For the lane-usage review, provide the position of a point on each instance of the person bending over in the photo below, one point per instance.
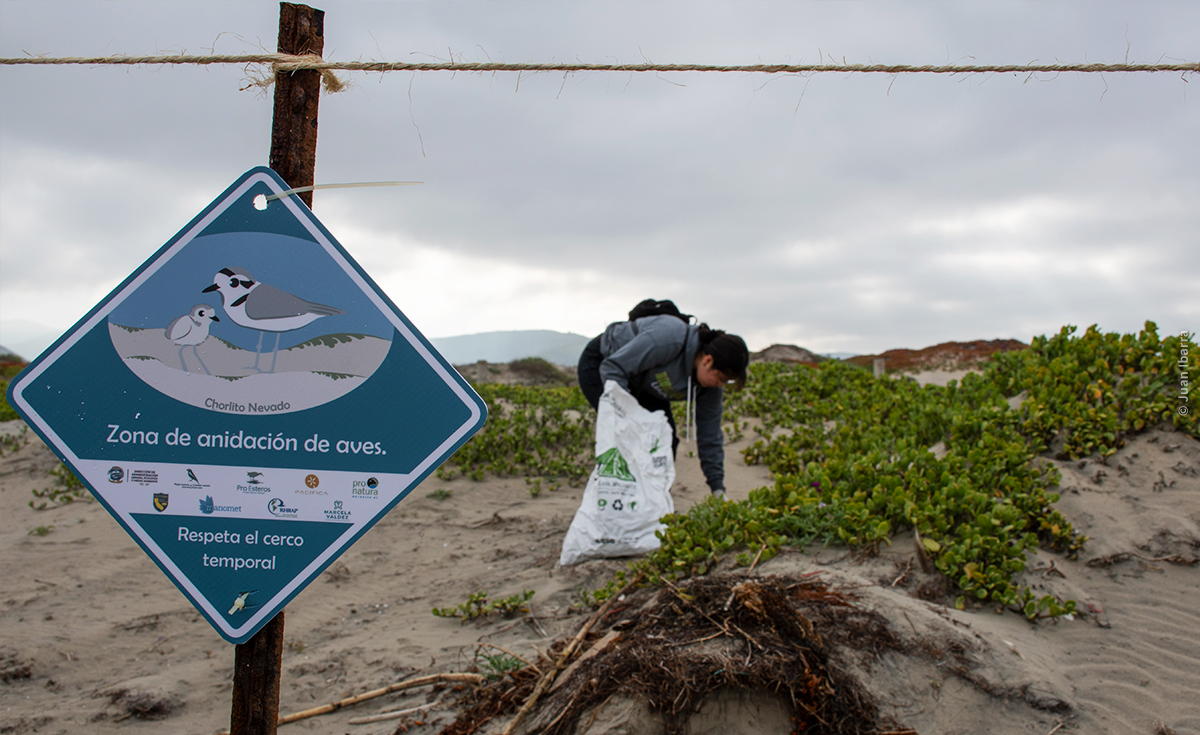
(663, 358)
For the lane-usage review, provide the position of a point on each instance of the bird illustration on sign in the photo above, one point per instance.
(221, 375)
(190, 330)
(264, 308)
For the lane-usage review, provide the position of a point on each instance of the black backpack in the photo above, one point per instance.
(650, 307)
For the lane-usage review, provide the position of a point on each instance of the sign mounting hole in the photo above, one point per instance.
(260, 202)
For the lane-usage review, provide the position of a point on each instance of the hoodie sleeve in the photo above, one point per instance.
(710, 441)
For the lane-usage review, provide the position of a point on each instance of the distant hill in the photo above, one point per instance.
(556, 347)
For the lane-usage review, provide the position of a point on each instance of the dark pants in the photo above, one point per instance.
(593, 387)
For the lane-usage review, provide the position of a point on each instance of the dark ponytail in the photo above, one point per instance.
(729, 353)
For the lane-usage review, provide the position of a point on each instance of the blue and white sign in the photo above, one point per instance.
(247, 404)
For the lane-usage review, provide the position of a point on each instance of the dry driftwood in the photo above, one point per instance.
(596, 648)
(399, 686)
(392, 715)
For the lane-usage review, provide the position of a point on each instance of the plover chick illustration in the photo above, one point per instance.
(264, 308)
(190, 330)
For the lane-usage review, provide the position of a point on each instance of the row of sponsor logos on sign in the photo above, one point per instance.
(255, 484)
(364, 489)
(275, 506)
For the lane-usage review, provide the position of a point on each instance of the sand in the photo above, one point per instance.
(97, 640)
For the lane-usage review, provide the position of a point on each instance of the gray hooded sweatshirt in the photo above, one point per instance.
(654, 355)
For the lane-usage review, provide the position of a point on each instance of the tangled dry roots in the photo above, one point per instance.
(679, 644)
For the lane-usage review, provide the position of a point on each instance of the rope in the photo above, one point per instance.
(290, 63)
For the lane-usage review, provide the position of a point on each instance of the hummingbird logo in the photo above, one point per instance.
(239, 603)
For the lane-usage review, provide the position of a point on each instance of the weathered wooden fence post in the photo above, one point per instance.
(294, 127)
(258, 663)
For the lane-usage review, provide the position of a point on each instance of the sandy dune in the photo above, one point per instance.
(97, 640)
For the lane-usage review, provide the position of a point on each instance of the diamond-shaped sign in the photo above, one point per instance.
(247, 404)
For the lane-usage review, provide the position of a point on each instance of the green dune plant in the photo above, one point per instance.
(479, 604)
(531, 432)
(853, 459)
(66, 489)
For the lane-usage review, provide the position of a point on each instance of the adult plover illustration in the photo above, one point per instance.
(265, 308)
(190, 330)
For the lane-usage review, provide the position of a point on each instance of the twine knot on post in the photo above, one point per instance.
(288, 63)
(329, 80)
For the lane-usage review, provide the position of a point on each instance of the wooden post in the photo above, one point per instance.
(257, 670)
(294, 128)
(880, 367)
(258, 663)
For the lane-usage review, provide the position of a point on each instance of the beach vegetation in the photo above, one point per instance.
(535, 485)
(7, 412)
(539, 371)
(10, 443)
(1086, 393)
(66, 489)
(496, 665)
(479, 604)
(531, 432)
(8, 371)
(855, 460)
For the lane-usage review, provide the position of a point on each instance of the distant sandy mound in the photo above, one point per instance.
(945, 356)
(529, 371)
(786, 353)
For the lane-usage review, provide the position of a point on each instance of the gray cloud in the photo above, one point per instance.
(845, 212)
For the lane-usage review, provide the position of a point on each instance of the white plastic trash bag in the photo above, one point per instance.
(630, 488)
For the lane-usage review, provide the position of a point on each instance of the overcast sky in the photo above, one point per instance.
(840, 212)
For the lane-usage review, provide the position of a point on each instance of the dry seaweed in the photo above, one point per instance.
(485, 703)
(766, 634)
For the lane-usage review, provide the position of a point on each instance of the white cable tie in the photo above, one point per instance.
(302, 189)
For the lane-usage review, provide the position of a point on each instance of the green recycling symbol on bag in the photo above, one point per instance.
(612, 464)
